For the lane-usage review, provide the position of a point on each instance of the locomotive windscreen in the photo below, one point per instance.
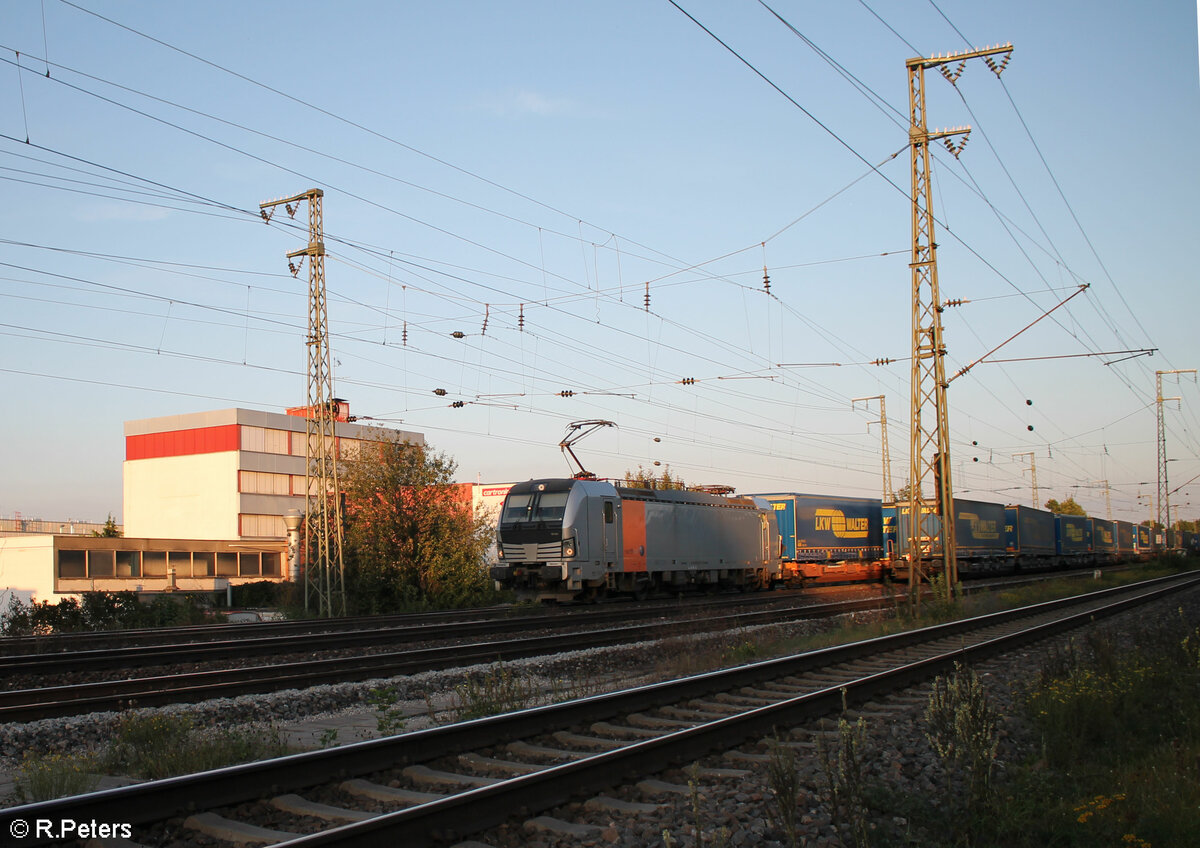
(534, 507)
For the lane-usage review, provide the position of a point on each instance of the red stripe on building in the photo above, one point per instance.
(183, 442)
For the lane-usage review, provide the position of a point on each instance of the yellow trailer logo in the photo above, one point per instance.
(981, 528)
(842, 527)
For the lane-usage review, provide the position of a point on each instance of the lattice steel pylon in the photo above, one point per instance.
(929, 440)
(324, 572)
(889, 494)
(1163, 504)
(1032, 473)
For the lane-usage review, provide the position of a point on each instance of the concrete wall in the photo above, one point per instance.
(26, 569)
(182, 497)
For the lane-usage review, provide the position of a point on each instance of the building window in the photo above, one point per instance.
(254, 439)
(262, 526)
(249, 565)
(264, 440)
(72, 564)
(300, 443)
(276, 441)
(179, 562)
(100, 564)
(204, 564)
(154, 563)
(227, 564)
(264, 483)
(270, 563)
(129, 564)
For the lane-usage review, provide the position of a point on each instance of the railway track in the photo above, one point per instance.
(18, 705)
(438, 785)
(71, 652)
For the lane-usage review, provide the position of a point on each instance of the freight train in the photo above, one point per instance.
(569, 539)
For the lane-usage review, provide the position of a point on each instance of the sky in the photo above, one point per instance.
(591, 194)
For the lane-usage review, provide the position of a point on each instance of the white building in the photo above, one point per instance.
(205, 495)
(48, 568)
(226, 474)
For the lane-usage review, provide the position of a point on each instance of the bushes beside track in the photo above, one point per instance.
(100, 611)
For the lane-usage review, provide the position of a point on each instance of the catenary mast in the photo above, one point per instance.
(929, 434)
(324, 573)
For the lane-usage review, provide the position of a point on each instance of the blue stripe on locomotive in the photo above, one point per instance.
(816, 528)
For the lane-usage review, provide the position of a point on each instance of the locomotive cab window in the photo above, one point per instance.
(551, 506)
(516, 508)
(608, 512)
(535, 507)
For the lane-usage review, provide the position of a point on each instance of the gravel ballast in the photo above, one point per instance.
(734, 810)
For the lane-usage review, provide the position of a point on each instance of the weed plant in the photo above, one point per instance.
(964, 731)
(157, 746)
(1119, 727)
(1117, 760)
(45, 777)
(844, 770)
(785, 791)
(498, 690)
(389, 716)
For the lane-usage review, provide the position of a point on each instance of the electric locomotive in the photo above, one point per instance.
(572, 539)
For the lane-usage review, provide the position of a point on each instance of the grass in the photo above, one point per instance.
(155, 746)
(771, 641)
(1116, 725)
(44, 777)
(1118, 755)
(503, 688)
(151, 746)
(1119, 727)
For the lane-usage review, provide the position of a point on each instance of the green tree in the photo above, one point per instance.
(110, 529)
(1067, 507)
(646, 479)
(411, 538)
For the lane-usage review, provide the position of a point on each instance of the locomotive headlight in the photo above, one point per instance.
(568, 548)
(500, 553)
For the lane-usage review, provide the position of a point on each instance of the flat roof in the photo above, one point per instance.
(258, 418)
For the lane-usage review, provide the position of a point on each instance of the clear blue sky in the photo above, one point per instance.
(481, 156)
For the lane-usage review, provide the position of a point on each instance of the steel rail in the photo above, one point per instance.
(56, 642)
(422, 627)
(159, 800)
(49, 702)
(441, 820)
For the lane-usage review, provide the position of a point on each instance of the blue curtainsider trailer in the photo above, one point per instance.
(1073, 538)
(828, 537)
(978, 530)
(1104, 539)
(1126, 539)
(1029, 536)
(1144, 545)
